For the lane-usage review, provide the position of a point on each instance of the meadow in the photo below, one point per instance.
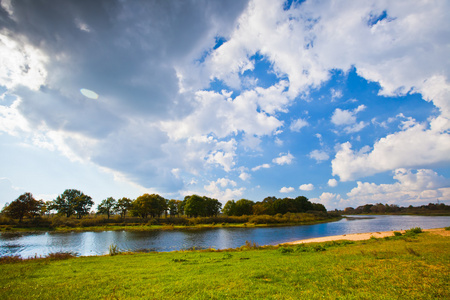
(410, 266)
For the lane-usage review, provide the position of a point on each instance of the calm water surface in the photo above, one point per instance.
(97, 243)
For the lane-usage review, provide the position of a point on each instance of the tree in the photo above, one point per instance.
(241, 207)
(107, 206)
(123, 205)
(23, 206)
(46, 208)
(174, 207)
(73, 202)
(194, 206)
(230, 208)
(211, 207)
(145, 205)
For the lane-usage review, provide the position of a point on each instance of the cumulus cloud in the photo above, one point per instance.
(332, 182)
(319, 155)
(284, 159)
(329, 200)
(287, 189)
(348, 117)
(412, 188)
(245, 176)
(413, 147)
(223, 189)
(306, 187)
(298, 124)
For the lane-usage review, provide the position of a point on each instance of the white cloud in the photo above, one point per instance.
(245, 176)
(330, 200)
(332, 182)
(285, 159)
(348, 117)
(319, 155)
(335, 94)
(225, 159)
(223, 189)
(21, 64)
(287, 189)
(306, 187)
(263, 166)
(224, 116)
(414, 147)
(412, 188)
(298, 124)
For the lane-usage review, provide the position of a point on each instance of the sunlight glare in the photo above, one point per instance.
(89, 94)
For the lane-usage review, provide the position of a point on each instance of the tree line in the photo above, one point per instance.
(271, 206)
(73, 202)
(379, 208)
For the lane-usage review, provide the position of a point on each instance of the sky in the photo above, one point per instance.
(344, 102)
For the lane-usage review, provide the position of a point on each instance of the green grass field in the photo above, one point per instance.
(416, 267)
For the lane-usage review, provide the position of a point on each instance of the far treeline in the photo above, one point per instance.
(379, 208)
(154, 209)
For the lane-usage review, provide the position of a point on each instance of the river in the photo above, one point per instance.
(97, 243)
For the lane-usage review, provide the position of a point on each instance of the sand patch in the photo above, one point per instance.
(364, 236)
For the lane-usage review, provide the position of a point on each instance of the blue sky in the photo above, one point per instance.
(344, 102)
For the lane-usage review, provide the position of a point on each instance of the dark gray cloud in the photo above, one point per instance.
(125, 51)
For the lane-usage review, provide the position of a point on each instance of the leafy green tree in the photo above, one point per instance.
(211, 207)
(230, 208)
(145, 205)
(318, 207)
(123, 205)
(194, 206)
(107, 206)
(238, 208)
(265, 207)
(73, 202)
(244, 207)
(23, 206)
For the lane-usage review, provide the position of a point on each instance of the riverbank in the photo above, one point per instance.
(364, 236)
(408, 267)
(308, 219)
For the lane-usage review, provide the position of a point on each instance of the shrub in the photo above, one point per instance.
(285, 250)
(413, 231)
(397, 233)
(60, 255)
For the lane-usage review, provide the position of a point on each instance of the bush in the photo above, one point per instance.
(397, 233)
(285, 250)
(413, 231)
(263, 219)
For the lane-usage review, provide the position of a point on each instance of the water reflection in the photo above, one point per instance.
(97, 243)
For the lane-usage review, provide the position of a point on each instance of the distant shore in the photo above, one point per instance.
(363, 236)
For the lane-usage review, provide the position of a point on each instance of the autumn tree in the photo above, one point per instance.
(23, 206)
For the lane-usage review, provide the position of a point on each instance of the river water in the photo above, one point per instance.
(97, 243)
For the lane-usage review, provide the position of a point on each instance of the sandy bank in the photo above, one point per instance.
(364, 236)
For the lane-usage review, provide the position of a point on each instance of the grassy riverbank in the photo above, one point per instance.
(405, 267)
